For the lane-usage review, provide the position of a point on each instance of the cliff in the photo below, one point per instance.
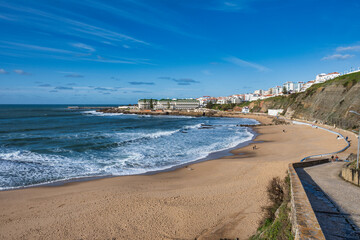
(327, 102)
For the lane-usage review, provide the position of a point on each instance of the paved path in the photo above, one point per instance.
(336, 203)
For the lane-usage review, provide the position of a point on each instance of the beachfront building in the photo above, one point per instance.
(185, 104)
(145, 103)
(168, 104)
(164, 104)
(275, 112)
(245, 110)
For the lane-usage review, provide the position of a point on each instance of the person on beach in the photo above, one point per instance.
(332, 158)
(254, 147)
(336, 158)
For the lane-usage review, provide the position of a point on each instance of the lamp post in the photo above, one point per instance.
(357, 159)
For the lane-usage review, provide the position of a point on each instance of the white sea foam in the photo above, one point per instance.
(93, 112)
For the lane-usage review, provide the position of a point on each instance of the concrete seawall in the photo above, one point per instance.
(350, 175)
(304, 222)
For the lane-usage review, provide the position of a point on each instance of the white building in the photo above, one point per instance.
(223, 100)
(323, 77)
(275, 112)
(245, 110)
(186, 104)
(277, 90)
(298, 86)
(168, 104)
(145, 103)
(247, 96)
(236, 99)
(307, 85)
(289, 86)
(258, 92)
(255, 97)
(164, 104)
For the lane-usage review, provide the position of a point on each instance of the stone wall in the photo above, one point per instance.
(304, 222)
(350, 175)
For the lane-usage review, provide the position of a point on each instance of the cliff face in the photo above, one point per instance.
(327, 102)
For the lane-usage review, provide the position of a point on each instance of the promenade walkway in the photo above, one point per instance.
(336, 203)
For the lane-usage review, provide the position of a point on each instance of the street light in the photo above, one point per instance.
(357, 159)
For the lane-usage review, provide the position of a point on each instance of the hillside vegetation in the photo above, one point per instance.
(327, 102)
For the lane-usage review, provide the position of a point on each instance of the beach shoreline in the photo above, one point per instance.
(207, 200)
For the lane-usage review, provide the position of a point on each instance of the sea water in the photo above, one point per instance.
(49, 143)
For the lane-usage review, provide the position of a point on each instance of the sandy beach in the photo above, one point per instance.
(207, 200)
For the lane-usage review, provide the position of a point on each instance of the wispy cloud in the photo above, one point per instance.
(83, 47)
(69, 26)
(142, 12)
(21, 72)
(36, 47)
(2, 71)
(349, 48)
(142, 83)
(243, 63)
(63, 88)
(338, 57)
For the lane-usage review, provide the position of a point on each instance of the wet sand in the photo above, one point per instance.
(207, 200)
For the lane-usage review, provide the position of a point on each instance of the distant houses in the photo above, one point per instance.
(288, 87)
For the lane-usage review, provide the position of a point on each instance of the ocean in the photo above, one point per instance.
(50, 143)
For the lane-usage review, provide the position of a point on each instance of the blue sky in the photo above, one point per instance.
(98, 52)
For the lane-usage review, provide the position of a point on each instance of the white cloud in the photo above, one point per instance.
(2, 71)
(338, 57)
(350, 48)
(243, 63)
(38, 48)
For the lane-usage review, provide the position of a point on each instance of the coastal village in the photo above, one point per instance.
(260, 94)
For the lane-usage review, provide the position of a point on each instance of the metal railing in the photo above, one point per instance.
(331, 131)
